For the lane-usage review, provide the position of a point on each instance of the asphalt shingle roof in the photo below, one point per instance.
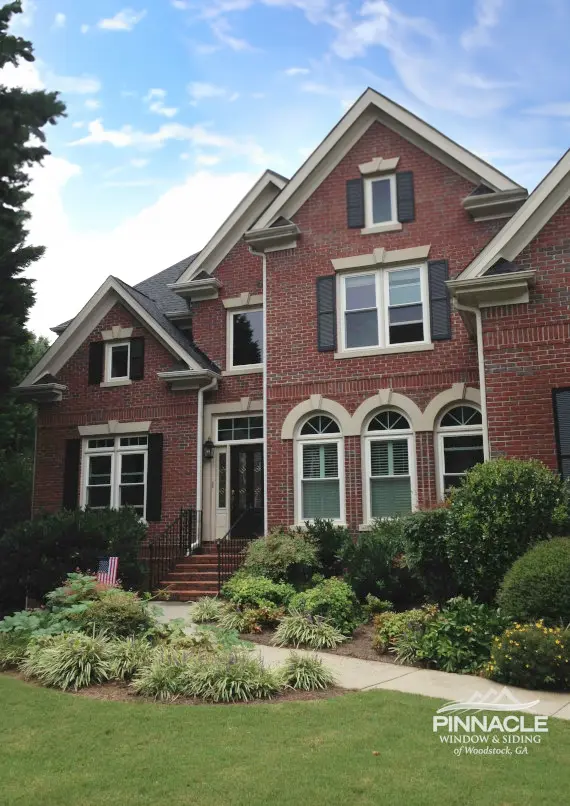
(155, 286)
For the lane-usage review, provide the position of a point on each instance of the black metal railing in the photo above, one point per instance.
(231, 550)
(180, 539)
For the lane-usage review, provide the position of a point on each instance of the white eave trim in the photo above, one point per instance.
(272, 239)
(497, 289)
(204, 288)
(40, 392)
(187, 379)
(500, 204)
(527, 222)
(86, 320)
(369, 107)
(242, 217)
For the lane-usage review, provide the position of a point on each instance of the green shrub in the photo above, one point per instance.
(232, 677)
(532, 656)
(389, 626)
(35, 555)
(537, 586)
(206, 609)
(77, 588)
(373, 605)
(330, 541)
(305, 673)
(424, 541)
(33, 623)
(502, 508)
(375, 564)
(117, 612)
(71, 660)
(334, 600)
(13, 649)
(301, 629)
(247, 590)
(458, 639)
(128, 656)
(282, 555)
(165, 677)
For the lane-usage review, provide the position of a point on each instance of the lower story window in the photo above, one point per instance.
(116, 473)
(460, 444)
(320, 481)
(389, 478)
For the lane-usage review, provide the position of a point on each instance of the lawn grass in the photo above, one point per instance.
(63, 750)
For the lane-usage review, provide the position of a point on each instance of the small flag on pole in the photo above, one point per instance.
(107, 571)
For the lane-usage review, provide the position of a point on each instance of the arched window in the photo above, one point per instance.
(389, 457)
(320, 470)
(460, 444)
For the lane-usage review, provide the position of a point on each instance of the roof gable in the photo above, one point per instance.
(147, 312)
(371, 107)
(545, 200)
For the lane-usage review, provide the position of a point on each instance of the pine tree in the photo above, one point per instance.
(23, 116)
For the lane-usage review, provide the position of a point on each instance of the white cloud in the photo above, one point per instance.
(181, 5)
(59, 20)
(222, 31)
(34, 76)
(26, 75)
(135, 248)
(207, 160)
(74, 85)
(197, 135)
(486, 18)
(558, 109)
(92, 103)
(200, 90)
(78, 124)
(84, 28)
(139, 162)
(297, 71)
(124, 20)
(26, 18)
(155, 100)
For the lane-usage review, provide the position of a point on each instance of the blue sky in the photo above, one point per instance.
(175, 107)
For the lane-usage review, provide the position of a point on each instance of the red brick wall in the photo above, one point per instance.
(527, 350)
(173, 414)
(296, 369)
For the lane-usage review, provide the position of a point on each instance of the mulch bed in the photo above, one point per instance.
(359, 646)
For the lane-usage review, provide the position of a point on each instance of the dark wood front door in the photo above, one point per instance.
(246, 490)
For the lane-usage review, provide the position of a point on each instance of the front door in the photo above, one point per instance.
(246, 490)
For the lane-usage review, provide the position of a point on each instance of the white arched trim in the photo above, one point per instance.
(316, 404)
(458, 393)
(387, 399)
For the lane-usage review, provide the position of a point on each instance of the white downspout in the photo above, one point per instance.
(263, 257)
(199, 440)
(481, 362)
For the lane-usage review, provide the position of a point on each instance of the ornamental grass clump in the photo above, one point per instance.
(13, 649)
(165, 677)
(306, 673)
(531, 656)
(128, 656)
(231, 677)
(71, 660)
(207, 609)
(303, 629)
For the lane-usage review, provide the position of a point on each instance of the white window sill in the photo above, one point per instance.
(116, 382)
(364, 527)
(388, 226)
(243, 370)
(395, 349)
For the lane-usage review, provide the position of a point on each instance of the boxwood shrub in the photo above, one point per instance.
(334, 600)
(248, 590)
(282, 556)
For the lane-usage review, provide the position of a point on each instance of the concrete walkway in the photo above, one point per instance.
(364, 675)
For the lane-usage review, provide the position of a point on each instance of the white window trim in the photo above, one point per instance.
(369, 222)
(258, 440)
(239, 369)
(116, 452)
(116, 379)
(386, 436)
(382, 299)
(454, 431)
(319, 439)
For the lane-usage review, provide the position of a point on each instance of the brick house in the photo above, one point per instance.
(347, 344)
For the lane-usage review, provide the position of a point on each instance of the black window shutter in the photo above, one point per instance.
(154, 478)
(326, 314)
(71, 474)
(439, 303)
(355, 203)
(96, 353)
(137, 359)
(405, 196)
(561, 404)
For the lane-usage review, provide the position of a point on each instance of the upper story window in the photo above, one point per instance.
(245, 333)
(115, 473)
(380, 201)
(460, 444)
(117, 361)
(385, 307)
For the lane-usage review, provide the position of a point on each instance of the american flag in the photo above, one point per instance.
(107, 571)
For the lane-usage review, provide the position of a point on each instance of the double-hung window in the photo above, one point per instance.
(384, 308)
(380, 201)
(115, 473)
(460, 444)
(389, 457)
(320, 470)
(245, 339)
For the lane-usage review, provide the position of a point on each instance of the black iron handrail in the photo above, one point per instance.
(231, 550)
(180, 539)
